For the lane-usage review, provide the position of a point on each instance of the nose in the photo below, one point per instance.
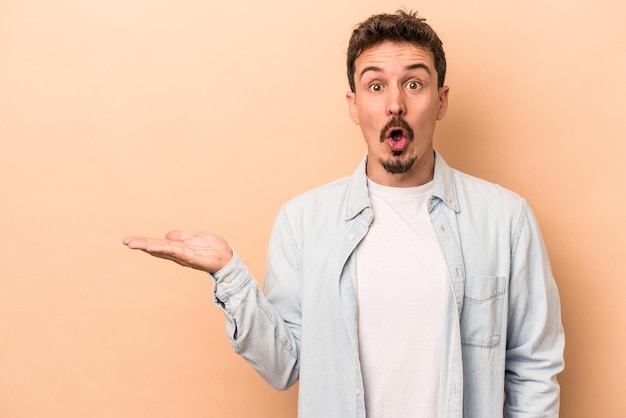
(396, 105)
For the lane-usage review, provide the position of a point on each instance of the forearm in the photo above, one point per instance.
(256, 331)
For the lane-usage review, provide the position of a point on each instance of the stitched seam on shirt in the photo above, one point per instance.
(523, 216)
(291, 236)
(493, 342)
(233, 291)
(499, 291)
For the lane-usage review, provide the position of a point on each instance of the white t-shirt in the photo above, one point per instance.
(401, 286)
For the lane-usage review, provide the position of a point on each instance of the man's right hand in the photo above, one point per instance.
(200, 251)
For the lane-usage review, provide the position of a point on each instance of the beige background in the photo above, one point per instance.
(138, 116)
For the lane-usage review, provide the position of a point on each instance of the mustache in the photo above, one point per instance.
(396, 122)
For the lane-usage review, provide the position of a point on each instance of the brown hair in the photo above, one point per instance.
(399, 27)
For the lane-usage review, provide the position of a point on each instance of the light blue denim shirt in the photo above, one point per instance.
(503, 328)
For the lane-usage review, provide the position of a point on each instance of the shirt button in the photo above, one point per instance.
(228, 279)
(357, 391)
(367, 211)
(351, 237)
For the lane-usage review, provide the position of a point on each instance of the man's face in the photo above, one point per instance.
(397, 103)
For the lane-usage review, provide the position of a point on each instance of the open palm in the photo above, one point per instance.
(202, 251)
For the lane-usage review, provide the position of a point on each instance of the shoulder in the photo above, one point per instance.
(468, 183)
(477, 195)
(463, 191)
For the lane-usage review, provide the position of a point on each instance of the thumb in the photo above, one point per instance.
(179, 235)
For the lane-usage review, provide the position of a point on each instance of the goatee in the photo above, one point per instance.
(398, 165)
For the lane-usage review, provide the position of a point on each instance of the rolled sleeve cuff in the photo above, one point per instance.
(230, 279)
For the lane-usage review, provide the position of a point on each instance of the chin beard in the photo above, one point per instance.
(396, 165)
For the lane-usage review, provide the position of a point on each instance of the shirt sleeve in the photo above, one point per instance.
(535, 339)
(256, 330)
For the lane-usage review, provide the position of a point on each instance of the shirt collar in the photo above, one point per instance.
(357, 199)
(443, 188)
(443, 185)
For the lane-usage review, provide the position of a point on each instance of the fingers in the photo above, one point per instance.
(174, 258)
(136, 243)
(147, 244)
(158, 246)
(173, 253)
(140, 243)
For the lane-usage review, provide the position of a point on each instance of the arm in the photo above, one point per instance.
(535, 338)
(255, 329)
(267, 334)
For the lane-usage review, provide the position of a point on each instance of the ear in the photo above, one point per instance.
(443, 102)
(351, 99)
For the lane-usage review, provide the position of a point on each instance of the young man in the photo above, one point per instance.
(406, 289)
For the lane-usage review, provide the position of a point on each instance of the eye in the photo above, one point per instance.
(376, 87)
(413, 85)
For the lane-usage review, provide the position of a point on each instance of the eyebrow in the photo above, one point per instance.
(415, 66)
(418, 66)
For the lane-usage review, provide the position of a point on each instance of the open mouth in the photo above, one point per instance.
(397, 139)
(396, 134)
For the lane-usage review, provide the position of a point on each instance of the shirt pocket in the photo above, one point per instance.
(481, 318)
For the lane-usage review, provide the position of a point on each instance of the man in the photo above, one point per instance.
(408, 289)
